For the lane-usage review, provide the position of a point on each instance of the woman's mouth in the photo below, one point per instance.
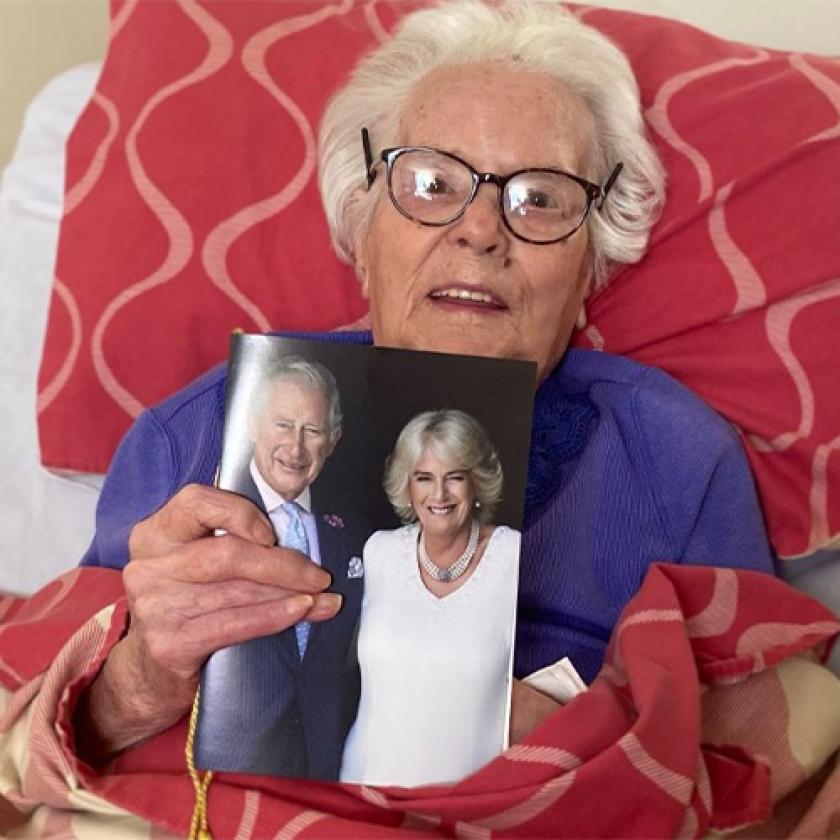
(441, 510)
(464, 296)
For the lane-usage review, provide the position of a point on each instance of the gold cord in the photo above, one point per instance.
(198, 823)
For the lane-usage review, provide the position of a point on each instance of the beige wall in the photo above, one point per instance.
(38, 39)
(800, 25)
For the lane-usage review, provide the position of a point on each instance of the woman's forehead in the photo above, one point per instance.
(498, 117)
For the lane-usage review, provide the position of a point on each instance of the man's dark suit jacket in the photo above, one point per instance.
(263, 709)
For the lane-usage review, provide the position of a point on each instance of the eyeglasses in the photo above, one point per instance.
(435, 188)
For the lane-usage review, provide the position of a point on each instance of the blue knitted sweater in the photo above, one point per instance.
(627, 467)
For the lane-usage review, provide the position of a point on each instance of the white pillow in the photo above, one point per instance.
(46, 520)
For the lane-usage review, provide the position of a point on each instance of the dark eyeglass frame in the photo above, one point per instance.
(595, 194)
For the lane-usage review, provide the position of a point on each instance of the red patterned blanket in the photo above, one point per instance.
(712, 712)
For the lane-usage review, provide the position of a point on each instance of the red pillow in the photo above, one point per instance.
(192, 209)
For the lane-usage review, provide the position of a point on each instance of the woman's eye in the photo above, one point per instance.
(539, 200)
(427, 183)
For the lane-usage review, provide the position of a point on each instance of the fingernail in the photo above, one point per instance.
(318, 577)
(298, 604)
(327, 603)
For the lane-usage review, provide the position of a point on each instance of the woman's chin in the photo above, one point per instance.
(467, 341)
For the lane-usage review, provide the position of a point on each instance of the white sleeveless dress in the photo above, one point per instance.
(435, 671)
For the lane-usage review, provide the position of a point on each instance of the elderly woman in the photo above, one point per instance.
(507, 174)
(434, 666)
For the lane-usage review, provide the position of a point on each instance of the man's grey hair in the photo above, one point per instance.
(536, 35)
(298, 369)
(456, 438)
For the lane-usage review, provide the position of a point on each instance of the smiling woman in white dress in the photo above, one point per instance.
(436, 632)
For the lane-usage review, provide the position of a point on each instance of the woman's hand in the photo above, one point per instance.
(528, 709)
(191, 593)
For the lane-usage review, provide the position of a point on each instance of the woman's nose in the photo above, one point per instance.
(481, 227)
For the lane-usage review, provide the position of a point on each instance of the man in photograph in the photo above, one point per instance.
(283, 704)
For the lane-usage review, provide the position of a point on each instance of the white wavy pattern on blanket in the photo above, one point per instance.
(780, 316)
(675, 785)
(374, 23)
(827, 86)
(522, 812)
(818, 499)
(250, 810)
(749, 286)
(88, 180)
(777, 325)
(74, 197)
(120, 19)
(53, 595)
(719, 614)
(762, 637)
(298, 824)
(750, 292)
(657, 114)
(54, 387)
(220, 240)
(171, 220)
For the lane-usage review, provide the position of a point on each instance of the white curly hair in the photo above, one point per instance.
(538, 35)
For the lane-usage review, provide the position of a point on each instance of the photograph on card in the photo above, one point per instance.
(401, 474)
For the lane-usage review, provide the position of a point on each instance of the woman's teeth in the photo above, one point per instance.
(463, 294)
(441, 510)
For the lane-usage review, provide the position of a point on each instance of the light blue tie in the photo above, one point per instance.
(295, 537)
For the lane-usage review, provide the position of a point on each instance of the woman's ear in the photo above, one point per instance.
(361, 270)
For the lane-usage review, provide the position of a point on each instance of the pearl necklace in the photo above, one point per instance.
(453, 572)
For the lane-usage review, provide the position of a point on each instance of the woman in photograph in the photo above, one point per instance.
(438, 612)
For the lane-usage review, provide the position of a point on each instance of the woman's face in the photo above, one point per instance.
(499, 119)
(442, 496)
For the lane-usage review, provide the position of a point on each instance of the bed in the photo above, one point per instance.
(68, 406)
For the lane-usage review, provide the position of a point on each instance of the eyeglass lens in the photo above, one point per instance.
(434, 188)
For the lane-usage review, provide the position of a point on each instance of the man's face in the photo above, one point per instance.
(291, 436)
(471, 287)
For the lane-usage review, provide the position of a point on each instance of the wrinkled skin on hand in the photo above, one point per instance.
(191, 593)
(528, 709)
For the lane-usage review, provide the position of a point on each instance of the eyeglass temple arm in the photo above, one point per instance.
(370, 173)
(609, 185)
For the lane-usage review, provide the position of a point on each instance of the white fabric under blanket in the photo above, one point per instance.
(46, 520)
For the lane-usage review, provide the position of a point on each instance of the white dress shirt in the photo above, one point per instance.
(273, 503)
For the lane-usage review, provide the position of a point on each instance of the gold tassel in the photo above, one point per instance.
(198, 823)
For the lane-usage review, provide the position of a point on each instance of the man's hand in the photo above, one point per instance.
(191, 593)
(528, 709)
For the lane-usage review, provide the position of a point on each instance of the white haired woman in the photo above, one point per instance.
(507, 175)
(436, 631)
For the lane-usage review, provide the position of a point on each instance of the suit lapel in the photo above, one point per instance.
(286, 640)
